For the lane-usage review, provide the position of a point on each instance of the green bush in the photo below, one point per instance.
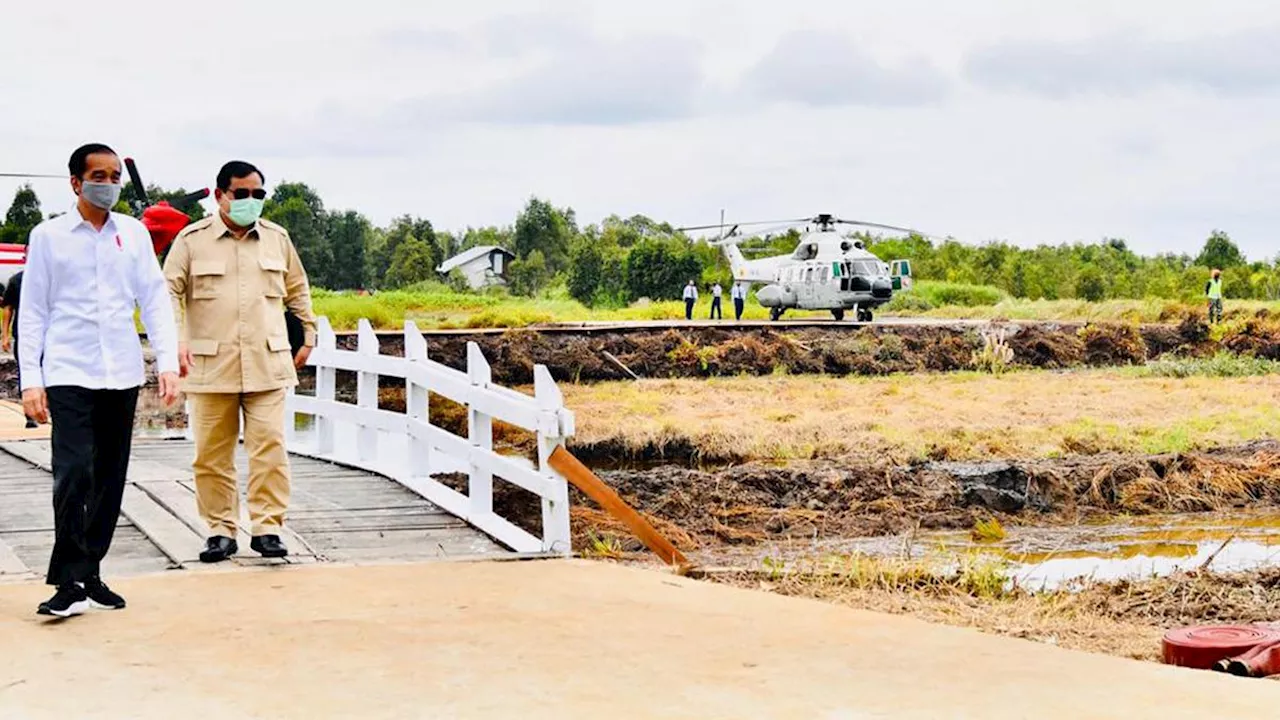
(939, 294)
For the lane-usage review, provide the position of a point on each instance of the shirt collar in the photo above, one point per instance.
(78, 220)
(220, 226)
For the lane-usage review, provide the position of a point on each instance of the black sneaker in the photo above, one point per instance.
(101, 596)
(69, 600)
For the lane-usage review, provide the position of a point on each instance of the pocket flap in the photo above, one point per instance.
(275, 343)
(209, 267)
(273, 264)
(206, 348)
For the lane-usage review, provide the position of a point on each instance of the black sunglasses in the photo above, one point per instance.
(244, 193)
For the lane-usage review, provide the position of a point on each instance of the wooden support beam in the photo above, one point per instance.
(595, 488)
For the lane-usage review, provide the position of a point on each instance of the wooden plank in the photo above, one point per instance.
(178, 541)
(10, 563)
(180, 501)
(33, 451)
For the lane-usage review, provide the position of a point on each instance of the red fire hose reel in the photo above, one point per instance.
(1246, 650)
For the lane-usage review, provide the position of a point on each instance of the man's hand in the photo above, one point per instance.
(35, 405)
(168, 388)
(6, 344)
(300, 359)
(185, 360)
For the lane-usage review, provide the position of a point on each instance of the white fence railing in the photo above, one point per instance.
(407, 448)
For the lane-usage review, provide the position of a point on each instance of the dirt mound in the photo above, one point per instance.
(1046, 347)
(1107, 344)
(838, 350)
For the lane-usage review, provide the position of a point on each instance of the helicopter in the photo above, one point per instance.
(826, 271)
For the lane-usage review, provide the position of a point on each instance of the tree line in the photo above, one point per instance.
(620, 260)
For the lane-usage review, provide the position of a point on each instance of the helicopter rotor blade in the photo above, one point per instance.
(882, 226)
(718, 226)
(190, 199)
(31, 175)
(139, 189)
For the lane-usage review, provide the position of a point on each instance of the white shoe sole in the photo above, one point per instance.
(99, 606)
(76, 608)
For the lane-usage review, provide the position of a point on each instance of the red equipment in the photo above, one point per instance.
(1203, 647)
(164, 222)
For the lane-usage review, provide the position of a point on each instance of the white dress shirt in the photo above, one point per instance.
(715, 290)
(79, 291)
(690, 292)
(738, 292)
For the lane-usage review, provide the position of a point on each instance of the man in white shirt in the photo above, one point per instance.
(81, 365)
(690, 297)
(739, 295)
(715, 302)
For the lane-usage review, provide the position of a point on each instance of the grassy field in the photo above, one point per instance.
(442, 309)
(954, 416)
(435, 306)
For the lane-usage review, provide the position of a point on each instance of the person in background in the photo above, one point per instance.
(9, 324)
(715, 302)
(87, 271)
(739, 294)
(690, 297)
(1213, 290)
(235, 279)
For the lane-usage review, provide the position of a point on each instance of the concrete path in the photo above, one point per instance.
(548, 639)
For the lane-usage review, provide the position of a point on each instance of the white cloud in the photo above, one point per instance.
(977, 119)
(1241, 63)
(826, 69)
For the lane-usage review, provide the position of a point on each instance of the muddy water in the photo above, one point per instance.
(1038, 558)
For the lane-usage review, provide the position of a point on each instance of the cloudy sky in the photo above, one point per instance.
(1152, 120)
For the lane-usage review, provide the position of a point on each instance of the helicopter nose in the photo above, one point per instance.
(881, 288)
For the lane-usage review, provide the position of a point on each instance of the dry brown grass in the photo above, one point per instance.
(902, 418)
(1124, 617)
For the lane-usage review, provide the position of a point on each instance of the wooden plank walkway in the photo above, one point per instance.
(337, 514)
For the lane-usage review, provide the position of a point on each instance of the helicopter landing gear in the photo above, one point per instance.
(775, 313)
(864, 315)
(838, 314)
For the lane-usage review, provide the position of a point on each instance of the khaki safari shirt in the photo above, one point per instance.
(229, 298)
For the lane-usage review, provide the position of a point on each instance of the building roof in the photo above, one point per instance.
(467, 256)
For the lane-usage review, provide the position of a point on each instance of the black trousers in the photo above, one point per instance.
(92, 435)
(737, 308)
(715, 308)
(688, 309)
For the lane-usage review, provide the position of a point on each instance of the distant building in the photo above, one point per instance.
(483, 266)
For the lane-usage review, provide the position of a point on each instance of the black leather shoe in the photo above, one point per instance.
(269, 546)
(218, 548)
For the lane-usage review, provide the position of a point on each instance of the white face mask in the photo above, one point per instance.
(101, 195)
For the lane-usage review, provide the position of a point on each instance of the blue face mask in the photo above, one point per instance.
(246, 212)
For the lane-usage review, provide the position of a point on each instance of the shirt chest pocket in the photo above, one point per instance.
(207, 279)
(273, 270)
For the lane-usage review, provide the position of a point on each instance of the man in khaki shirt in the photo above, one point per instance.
(231, 277)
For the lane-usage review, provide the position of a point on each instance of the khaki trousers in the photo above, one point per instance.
(215, 419)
